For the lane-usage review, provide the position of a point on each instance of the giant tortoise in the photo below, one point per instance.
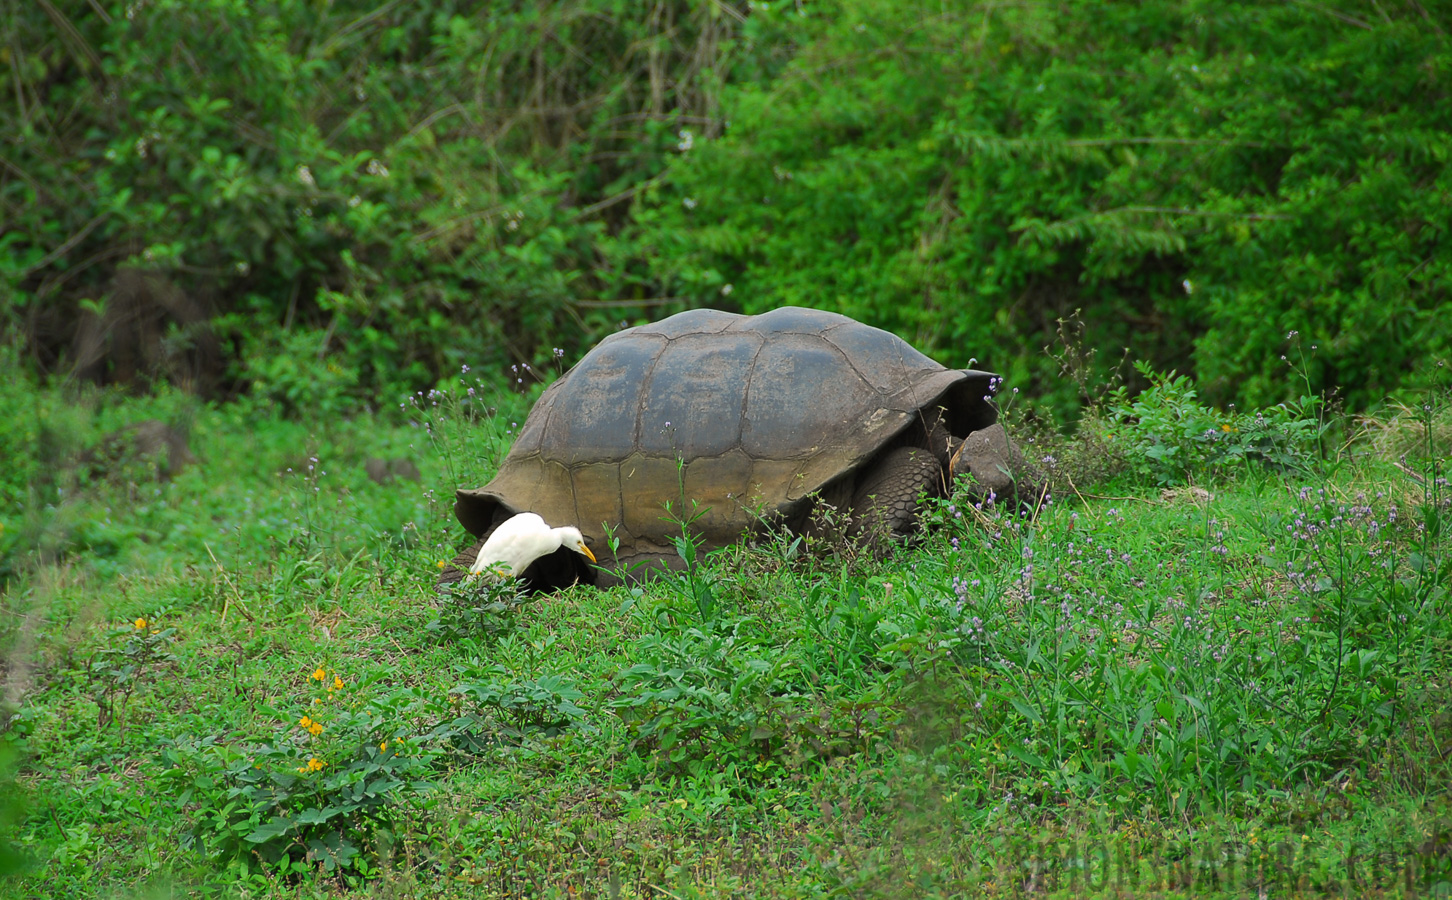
(737, 420)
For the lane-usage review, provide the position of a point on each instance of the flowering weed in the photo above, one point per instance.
(130, 655)
(322, 793)
(1172, 438)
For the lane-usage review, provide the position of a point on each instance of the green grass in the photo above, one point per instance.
(1133, 690)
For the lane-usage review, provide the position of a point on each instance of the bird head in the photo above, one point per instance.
(573, 539)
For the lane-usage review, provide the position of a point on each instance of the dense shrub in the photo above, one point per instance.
(1199, 178)
(353, 196)
(350, 196)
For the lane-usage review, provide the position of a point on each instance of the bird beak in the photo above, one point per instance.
(586, 550)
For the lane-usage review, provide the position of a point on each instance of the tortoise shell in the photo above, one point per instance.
(718, 415)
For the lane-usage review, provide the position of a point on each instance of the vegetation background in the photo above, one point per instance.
(337, 245)
(345, 199)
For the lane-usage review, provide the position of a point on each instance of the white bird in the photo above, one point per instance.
(522, 539)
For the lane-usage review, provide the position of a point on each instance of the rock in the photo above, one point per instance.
(377, 470)
(1196, 495)
(403, 468)
(383, 471)
(152, 439)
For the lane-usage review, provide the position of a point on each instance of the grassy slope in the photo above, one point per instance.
(1143, 680)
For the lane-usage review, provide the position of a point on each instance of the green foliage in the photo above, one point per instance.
(501, 708)
(483, 607)
(18, 437)
(701, 701)
(322, 793)
(131, 654)
(1171, 434)
(290, 370)
(1091, 676)
(470, 423)
(357, 198)
(12, 806)
(1171, 438)
(324, 205)
(695, 581)
(1198, 179)
(695, 696)
(1269, 661)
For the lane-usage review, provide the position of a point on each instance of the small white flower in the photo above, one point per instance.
(687, 141)
(1189, 286)
(377, 168)
(726, 290)
(305, 175)
(688, 202)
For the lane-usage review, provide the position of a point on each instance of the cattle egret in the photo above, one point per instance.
(521, 540)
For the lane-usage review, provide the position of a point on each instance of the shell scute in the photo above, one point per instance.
(692, 405)
(890, 366)
(803, 396)
(692, 321)
(593, 409)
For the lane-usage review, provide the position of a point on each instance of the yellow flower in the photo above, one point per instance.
(1224, 427)
(337, 683)
(315, 729)
(383, 747)
(305, 722)
(314, 764)
(140, 624)
(442, 564)
(319, 675)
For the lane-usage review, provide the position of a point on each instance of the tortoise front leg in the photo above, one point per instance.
(885, 504)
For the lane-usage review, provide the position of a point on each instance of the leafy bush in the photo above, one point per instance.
(325, 792)
(482, 607)
(1197, 179)
(492, 707)
(18, 434)
(336, 196)
(322, 793)
(1171, 438)
(290, 369)
(694, 704)
(130, 654)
